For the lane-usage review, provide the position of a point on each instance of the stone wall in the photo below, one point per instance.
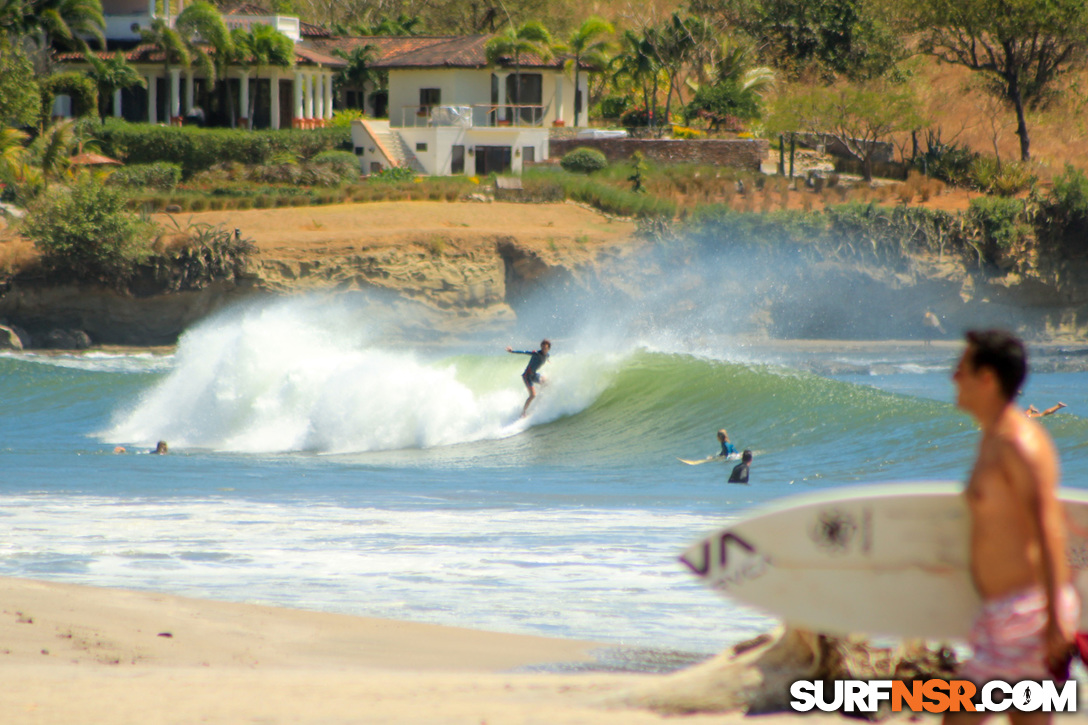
(735, 153)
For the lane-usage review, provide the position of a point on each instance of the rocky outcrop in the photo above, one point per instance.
(487, 279)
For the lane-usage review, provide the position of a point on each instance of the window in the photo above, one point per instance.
(528, 154)
(457, 160)
(428, 98)
(358, 150)
(375, 167)
(528, 91)
(421, 146)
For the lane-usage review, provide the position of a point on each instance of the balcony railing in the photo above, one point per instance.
(480, 115)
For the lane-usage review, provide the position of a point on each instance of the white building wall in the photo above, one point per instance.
(468, 87)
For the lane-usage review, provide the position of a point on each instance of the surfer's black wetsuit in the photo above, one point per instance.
(537, 359)
(739, 474)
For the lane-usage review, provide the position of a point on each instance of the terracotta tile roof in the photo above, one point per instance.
(145, 53)
(415, 51)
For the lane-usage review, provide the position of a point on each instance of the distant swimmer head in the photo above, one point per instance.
(160, 448)
(722, 435)
(746, 457)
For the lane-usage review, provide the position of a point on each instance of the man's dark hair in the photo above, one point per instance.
(1003, 353)
(544, 342)
(746, 456)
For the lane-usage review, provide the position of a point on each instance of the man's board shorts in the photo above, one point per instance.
(1008, 637)
(530, 378)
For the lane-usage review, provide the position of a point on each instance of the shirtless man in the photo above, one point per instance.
(1025, 628)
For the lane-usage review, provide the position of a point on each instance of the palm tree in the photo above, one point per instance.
(12, 150)
(174, 48)
(111, 76)
(587, 45)
(66, 21)
(531, 37)
(262, 46)
(52, 150)
(203, 20)
(638, 62)
(358, 72)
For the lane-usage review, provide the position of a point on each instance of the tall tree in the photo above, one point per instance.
(637, 62)
(18, 91)
(110, 76)
(512, 43)
(676, 43)
(64, 21)
(359, 71)
(202, 20)
(174, 49)
(259, 48)
(588, 45)
(1024, 46)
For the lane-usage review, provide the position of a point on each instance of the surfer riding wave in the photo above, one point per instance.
(531, 376)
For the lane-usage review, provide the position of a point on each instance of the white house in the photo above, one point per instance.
(452, 112)
(299, 97)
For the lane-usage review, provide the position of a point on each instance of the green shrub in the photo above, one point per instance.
(948, 162)
(1012, 178)
(196, 149)
(84, 231)
(1068, 199)
(394, 174)
(79, 87)
(198, 204)
(1000, 224)
(160, 175)
(344, 164)
(583, 160)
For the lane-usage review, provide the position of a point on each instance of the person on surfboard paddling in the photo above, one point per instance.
(1025, 628)
(728, 449)
(531, 377)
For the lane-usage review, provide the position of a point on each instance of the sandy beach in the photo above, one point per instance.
(86, 655)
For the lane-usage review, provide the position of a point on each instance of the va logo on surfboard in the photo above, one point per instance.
(727, 557)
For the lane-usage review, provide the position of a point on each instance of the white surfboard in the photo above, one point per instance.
(889, 559)
(734, 457)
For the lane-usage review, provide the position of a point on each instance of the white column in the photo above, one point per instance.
(309, 95)
(559, 98)
(244, 100)
(188, 92)
(299, 85)
(319, 96)
(117, 103)
(152, 99)
(275, 85)
(175, 93)
(328, 96)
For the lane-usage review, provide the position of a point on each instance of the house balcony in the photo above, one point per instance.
(480, 115)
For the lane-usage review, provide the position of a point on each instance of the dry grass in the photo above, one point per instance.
(16, 254)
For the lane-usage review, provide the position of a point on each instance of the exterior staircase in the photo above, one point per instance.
(392, 145)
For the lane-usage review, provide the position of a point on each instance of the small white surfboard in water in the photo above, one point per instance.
(889, 559)
(708, 459)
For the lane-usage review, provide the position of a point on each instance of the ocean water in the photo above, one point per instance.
(336, 457)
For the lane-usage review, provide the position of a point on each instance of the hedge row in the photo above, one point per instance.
(196, 149)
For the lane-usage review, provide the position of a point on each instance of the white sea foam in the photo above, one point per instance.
(302, 376)
(609, 575)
